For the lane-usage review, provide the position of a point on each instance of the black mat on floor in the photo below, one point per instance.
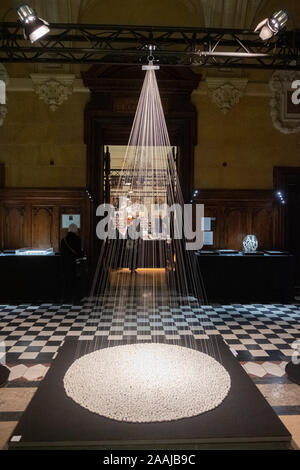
(53, 420)
(293, 372)
(4, 373)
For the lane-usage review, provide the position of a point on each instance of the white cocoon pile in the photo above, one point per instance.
(147, 382)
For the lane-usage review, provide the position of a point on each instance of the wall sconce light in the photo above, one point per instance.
(281, 197)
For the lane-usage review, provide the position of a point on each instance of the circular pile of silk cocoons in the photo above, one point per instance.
(147, 382)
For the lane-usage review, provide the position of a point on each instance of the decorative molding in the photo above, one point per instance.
(18, 84)
(53, 89)
(37, 209)
(10, 208)
(284, 119)
(253, 89)
(226, 92)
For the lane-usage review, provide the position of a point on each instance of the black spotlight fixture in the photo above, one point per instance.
(34, 27)
(4, 373)
(269, 27)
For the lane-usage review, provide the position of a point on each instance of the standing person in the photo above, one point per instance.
(71, 251)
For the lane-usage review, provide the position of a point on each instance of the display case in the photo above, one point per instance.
(34, 252)
(232, 276)
(30, 275)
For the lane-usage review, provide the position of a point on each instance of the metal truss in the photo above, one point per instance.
(207, 47)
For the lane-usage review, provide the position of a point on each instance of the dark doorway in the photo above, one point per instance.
(109, 115)
(293, 226)
(113, 163)
(287, 181)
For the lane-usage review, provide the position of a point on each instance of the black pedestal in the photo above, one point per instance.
(293, 372)
(243, 420)
(4, 373)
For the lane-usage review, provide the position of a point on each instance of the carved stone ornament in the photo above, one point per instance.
(53, 89)
(285, 115)
(226, 93)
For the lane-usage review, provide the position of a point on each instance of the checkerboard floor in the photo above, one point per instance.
(34, 333)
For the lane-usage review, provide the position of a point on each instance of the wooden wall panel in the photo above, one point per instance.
(42, 227)
(263, 226)
(234, 227)
(2, 175)
(242, 212)
(32, 218)
(14, 227)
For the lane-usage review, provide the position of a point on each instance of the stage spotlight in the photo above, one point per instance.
(34, 28)
(269, 27)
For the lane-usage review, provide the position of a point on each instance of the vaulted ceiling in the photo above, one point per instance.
(226, 13)
(209, 13)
